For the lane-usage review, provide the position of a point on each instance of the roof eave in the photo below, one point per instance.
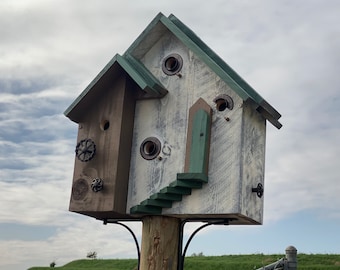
(151, 87)
(157, 28)
(222, 69)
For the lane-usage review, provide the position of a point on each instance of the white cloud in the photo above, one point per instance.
(35, 201)
(72, 242)
(304, 175)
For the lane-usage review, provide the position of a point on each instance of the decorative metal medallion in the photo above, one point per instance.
(97, 184)
(85, 150)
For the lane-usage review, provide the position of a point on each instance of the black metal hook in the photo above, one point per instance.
(259, 190)
(131, 232)
(181, 256)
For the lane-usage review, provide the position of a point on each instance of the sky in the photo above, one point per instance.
(51, 50)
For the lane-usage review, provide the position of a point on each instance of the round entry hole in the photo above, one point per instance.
(104, 125)
(221, 105)
(172, 64)
(224, 102)
(150, 148)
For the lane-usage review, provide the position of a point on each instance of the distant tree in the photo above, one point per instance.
(197, 255)
(53, 264)
(92, 255)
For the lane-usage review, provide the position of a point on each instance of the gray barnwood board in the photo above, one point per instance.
(228, 190)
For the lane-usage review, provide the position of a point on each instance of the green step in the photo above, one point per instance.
(166, 196)
(146, 209)
(186, 183)
(200, 177)
(159, 203)
(177, 190)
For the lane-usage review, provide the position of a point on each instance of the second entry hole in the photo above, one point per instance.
(221, 105)
(104, 125)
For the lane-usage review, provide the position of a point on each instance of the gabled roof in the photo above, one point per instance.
(151, 87)
(147, 82)
(157, 28)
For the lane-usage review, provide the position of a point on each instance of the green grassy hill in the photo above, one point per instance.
(233, 262)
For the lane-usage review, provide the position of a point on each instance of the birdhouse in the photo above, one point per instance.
(168, 128)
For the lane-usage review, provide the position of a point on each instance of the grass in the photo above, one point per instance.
(98, 264)
(233, 262)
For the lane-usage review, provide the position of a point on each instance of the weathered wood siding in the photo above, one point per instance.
(112, 159)
(237, 147)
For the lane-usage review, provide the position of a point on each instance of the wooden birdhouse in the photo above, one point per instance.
(170, 129)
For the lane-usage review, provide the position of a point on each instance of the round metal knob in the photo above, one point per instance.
(97, 184)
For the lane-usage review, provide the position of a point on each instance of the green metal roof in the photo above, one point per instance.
(136, 71)
(160, 24)
(148, 83)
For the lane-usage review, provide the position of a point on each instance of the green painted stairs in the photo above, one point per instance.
(183, 185)
(199, 130)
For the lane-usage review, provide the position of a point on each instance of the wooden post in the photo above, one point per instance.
(291, 256)
(160, 243)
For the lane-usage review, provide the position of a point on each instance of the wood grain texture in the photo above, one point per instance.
(198, 138)
(160, 239)
(233, 167)
(112, 159)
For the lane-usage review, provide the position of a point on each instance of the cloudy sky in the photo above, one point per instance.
(50, 50)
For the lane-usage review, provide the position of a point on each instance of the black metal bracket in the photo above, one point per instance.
(181, 256)
(106, 221)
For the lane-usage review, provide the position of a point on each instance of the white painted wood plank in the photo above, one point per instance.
(237, 146)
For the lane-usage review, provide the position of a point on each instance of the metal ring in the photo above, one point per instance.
(224, 102)
(172, 64)
(150, 148)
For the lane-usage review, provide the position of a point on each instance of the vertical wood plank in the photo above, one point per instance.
(200, 143)
(160, 239)
(113, 150)
(198, 138)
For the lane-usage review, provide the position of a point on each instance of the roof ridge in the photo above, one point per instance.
(269, 112)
